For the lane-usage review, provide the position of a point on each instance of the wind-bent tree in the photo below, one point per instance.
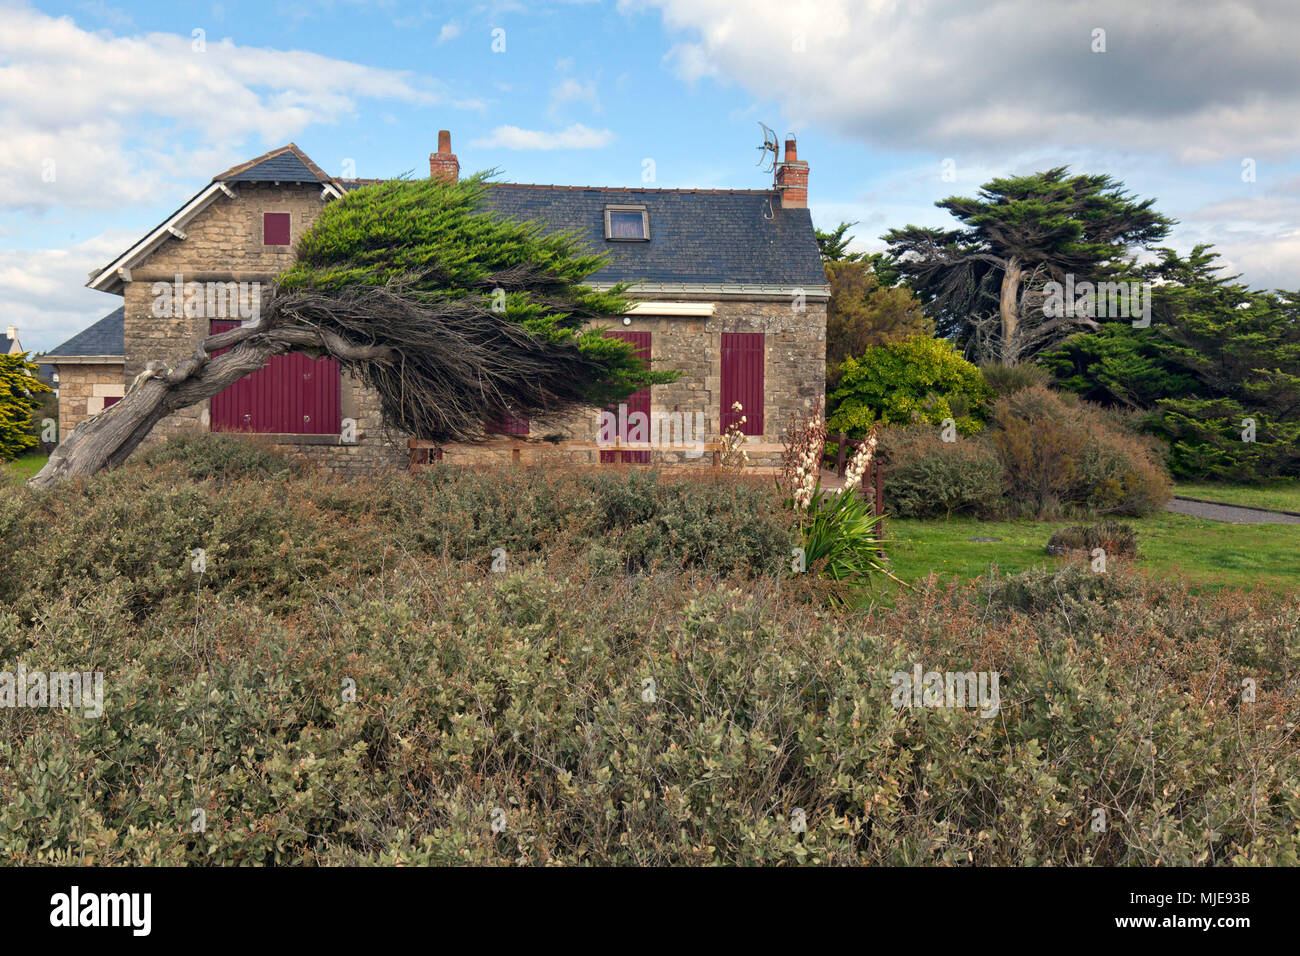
(982, 284)
(454, 315)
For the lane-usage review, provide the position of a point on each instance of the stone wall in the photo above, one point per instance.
(224, 244)
(794, 377)
(82, 391)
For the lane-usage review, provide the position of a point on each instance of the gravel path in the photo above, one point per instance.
(1233, 514)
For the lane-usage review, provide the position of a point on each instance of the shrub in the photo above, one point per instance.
(1058, 453)
(1113, 537)
(201, 455)
(673, 719)
(928, 477)
(1005, 379)
(283, 538)
(920, 379)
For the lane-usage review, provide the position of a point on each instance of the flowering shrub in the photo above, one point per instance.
(734, 456)
(840, 531)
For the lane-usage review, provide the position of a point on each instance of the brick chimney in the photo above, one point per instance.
(792, 179)
(444, 165)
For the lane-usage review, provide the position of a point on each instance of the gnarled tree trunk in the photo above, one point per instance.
(107, 439)
(1009, 307)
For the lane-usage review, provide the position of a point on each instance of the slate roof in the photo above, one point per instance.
(6, 343)
(287, 164)
(697, 236)
(105, 337)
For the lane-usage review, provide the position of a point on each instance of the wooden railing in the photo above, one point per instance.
(875, 473)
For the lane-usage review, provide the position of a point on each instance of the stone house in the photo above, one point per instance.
(728, 289)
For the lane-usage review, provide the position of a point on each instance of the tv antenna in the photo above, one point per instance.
(769, 146)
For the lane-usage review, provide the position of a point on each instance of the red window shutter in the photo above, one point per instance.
(742, 380)
(290, 395)
(638, 401)
(507, 425)
(275, 229)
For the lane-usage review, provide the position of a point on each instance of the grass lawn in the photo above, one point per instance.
(20, 469)
(1208, 554)
(1281, 495)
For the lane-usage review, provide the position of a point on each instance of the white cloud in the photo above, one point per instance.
(570, 90)
(448, 32)
(114, 114)
(575, 136)
(1198, 79)
(44, 289)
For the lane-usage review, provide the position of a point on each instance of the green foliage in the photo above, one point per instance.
(527, 691)
(1216, 354)
(268, 527)
(441, 245)
(928, 477)
(841, 538)
(20, 399)
(920, 379)
(1046, 224)
(834, 245)
(204, 455)
(863, 312)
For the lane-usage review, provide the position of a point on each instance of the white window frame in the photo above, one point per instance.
(645, 224)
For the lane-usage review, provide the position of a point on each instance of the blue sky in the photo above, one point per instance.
(132, 114)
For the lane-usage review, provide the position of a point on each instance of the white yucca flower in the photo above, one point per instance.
(805, 477)
(858, 464)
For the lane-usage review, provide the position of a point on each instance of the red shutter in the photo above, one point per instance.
(638, 401)
(290, 395)
(275, 229)
(507, 425)
(742, 380)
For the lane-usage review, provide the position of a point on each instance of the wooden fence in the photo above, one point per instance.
(875, 474)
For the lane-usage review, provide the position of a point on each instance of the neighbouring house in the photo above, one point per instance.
(9, 345)
(88, 370)
(9, 342)
(728, 289)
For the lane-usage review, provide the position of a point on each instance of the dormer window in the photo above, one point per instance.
(627, 223)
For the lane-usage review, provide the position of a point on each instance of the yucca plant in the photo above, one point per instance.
(841, 537)
(841, 531)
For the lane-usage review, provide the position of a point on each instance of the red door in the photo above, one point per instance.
(742, 380)
(638, 401)
(290, 395)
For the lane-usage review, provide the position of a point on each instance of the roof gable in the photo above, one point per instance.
(287, 164)
(105, 337)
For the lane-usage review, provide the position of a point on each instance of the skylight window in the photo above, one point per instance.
(627, 223)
